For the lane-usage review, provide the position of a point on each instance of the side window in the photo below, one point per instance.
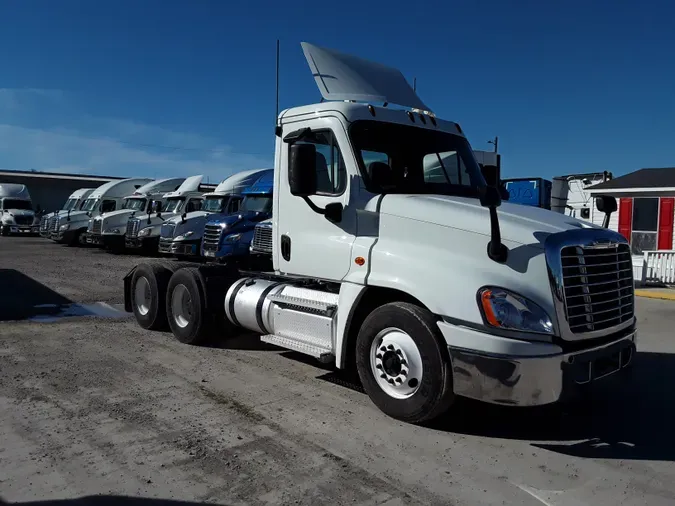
(108, 205)
(196, 204)
(233, 205)
(331, 175)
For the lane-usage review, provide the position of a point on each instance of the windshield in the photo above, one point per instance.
(214, 204)
(258, 203)
(406, 159)
(174, 205)
(70, 203)
(17, 204)
(89, 204)
(134, 204)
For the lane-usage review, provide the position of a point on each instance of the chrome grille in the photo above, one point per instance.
(23, 220)
(133, 225)
(96, 226)
(211, 241)
(54, 223)
(262, 238)
(44, 224)
(598, 286)
(165, 245)
(166, 231)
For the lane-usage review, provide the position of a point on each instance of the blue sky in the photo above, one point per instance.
(112, 87)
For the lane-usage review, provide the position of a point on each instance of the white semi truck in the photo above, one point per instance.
(142, 232)
(74, 203)
(428, 289)
(16, 210)
(70, 228)
(181, 236)
(109, 228)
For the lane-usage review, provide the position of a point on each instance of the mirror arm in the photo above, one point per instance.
(313, 206)
(497, 250)
(605, 221)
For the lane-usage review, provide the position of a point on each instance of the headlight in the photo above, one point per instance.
(233, 238)
(509, 311)
(188, 234)
(145, 231)
(112, 231)
(65, 227)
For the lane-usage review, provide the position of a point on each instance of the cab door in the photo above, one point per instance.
(309, 244)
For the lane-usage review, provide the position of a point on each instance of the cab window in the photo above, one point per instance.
(108, 205)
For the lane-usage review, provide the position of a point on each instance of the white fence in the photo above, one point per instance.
(655, 267)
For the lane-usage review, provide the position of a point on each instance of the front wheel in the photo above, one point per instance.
(403, 363)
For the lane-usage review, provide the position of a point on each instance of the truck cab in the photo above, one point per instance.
(109, 228)
(142, 232)
(16, 210)
(420, 281)
(70, 228)
(74, 203)
(229, 235)
(181, 235)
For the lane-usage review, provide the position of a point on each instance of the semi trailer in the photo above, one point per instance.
(108, 229)
(142, 232)
(74, 203)
(430, 289)
(228, 236)
(16, 210)
(70, 228)
(181, 236)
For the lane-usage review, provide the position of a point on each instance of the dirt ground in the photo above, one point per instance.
(96, 410)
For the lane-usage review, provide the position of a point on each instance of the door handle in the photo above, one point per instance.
(286, 247)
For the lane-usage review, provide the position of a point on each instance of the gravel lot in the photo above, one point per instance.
(99, 411)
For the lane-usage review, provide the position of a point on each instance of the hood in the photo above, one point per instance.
(519, 224)
(76, 216)
(238, 219)
(194, 221)
(154, 220)
(119, 216)
(20, 212)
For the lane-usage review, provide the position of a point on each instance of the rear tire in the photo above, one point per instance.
(148, 293)
(404, 364)
(186, 307)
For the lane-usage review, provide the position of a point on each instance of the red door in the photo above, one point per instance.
(625, 217)
(666, 216)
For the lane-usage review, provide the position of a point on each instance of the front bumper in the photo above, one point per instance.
(226, 250)
(145, 243)
(66, 236)
(20, 229)
(182, 248)
(536, 373)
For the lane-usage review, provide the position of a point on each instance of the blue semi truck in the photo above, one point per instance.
(228, 236)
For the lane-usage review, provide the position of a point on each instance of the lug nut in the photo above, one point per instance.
(384, 348)
(399, 352)
(390, 347)
(383, 375)
(399, 380)
(391, 381)
(378, 366)
(379, 355)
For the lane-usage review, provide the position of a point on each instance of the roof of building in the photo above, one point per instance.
(654, 179)
(58, 175)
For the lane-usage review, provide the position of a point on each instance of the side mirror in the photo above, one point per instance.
(491, 174)
(607, 205)
(490, 196)
(302, 170)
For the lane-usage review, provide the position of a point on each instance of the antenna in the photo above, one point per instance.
(415, 84)
(276, 115)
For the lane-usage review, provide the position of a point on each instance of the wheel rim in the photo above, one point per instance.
(143, 296)
(396, 363)
(181, 306)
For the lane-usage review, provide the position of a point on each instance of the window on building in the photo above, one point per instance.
(645, 225)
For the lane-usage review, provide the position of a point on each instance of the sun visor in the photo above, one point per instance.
(341, 76)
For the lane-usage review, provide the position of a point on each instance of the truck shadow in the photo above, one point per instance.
(107, 500)
(620, 419)
(22, 297)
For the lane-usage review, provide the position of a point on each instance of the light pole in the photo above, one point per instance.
(495, 141)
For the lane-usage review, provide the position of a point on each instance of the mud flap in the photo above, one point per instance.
(127, 290)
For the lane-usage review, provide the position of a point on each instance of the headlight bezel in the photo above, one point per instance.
(146, 231)
(232, 238)
(112, 231)
(65, 227)
(492, 321)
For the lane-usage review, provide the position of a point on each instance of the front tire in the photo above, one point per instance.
(404, 364)
(148, 293)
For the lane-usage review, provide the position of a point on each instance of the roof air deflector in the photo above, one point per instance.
(340, 76)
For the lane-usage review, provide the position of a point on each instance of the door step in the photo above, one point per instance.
(302, 303)
(322, 354)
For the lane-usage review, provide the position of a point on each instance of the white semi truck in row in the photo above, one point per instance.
(108, 229)
(74, 202)
(425, 284)
(71, 228)
(16, 210)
